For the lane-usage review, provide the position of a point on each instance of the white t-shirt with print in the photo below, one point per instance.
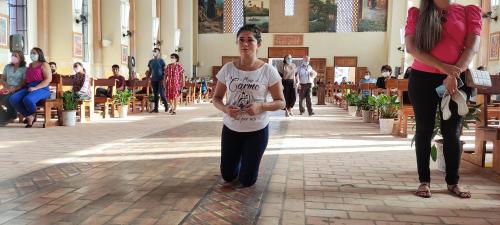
(244, 88)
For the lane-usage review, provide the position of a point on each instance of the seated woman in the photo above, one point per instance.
(38, 78)
(386, 72)
(81, 82)
(12, 80)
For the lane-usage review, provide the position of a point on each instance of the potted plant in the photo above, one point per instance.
(388, 111)
(70, 100)
(367, 104)
(437, 147)
(352, 103)
(122, 99)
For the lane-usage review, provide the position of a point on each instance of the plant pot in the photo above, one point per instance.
(123, 111)
(440, 163)
(352, 110)
(367, 116)
(358, 112)
(151, 105)
(386, 125)
(69, 118)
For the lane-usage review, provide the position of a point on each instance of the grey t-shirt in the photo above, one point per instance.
(16, 78)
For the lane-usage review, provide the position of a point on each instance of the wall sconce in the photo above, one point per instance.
(490, 16)
(106, 43)
(127, 34)
(81, 19)
(157, 43)
(401, 48)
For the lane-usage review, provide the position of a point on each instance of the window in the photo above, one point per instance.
(289, 7)
(85, 31)
(18, 12)
(347, 15)
(125, 14)
(494, 3)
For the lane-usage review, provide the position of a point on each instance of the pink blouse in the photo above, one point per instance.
(460, 21)
(34, 74)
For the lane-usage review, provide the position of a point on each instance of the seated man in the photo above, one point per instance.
(55, 77)
(120, 84)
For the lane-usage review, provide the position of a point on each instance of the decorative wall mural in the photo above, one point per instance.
(210, 16)
(322, 16)
(257, 12)
(373, 16)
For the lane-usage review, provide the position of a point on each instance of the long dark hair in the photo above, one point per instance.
(41, 56)
(285, 62)
(429, 28)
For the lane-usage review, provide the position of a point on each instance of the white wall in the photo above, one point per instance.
(368, 46)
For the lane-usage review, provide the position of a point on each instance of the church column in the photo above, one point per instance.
(145, 12)
(186, 13)
(168, 24)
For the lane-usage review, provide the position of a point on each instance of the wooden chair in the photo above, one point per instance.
(48, 106)
(83, 105)
(485, 132)
(139, 98)
(107, 102)
(367, 86)
(347, 88)
(405, 109)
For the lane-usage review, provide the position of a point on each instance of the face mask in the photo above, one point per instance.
(367, 77)
(34, 57)
(14, 60)
(289, 61)
(155, 54)
(77, 69)
(306, 63)
(385, 74)
(173, 60)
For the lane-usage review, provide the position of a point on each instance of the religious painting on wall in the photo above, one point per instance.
(322, 16)
(373, 16)
(210, 16)
(257, 12)
(493, 46)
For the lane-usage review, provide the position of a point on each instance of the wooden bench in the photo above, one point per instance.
(107, 102)
(367, 86)
(347, 88)
(138, 98)
(83, 105)
(405, 109)
(485, 132)
(48, 107)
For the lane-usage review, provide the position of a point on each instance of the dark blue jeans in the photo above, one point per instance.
(241, 154)
(159, 89)
(25, 102)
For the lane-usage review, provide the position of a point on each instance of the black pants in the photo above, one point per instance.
(305, 92)
(158, 89)
(289, 92)
(7, 111)
(241, 153)
(425, 101)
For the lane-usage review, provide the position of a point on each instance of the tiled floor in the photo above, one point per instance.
(161, 169)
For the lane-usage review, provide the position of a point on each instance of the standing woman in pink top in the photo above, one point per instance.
(443, 38)
(37, 79)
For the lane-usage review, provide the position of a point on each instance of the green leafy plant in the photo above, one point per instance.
(367, 103)
(387, 106)
(472, 115)
(70, 100)
(123, 97)
(352, 99)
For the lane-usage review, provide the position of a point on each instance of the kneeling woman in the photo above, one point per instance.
(245, 134)
(38, 78)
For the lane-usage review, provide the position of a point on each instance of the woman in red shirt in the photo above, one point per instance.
(443, 38)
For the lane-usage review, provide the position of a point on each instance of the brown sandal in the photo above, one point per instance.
(424, 190)
(458, 191)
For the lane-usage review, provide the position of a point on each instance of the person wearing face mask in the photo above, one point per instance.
(157, 69)
(366, 79)
(37, 79)
(306, 75)
(386, 72)
(11, 80)
(81, 82)
(175, 80)
(289, 84)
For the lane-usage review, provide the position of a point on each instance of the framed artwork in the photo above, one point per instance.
(77, 45)
(4, 31)
(493, 46)
(124, 54)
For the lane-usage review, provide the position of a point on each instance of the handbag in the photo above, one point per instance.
(478, 79)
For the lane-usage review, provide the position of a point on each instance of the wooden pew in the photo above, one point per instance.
(47, 106)
(347, 88)
(485, 132)
(107, 102)
(139, 98)
(67, 81)
(367, 86)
